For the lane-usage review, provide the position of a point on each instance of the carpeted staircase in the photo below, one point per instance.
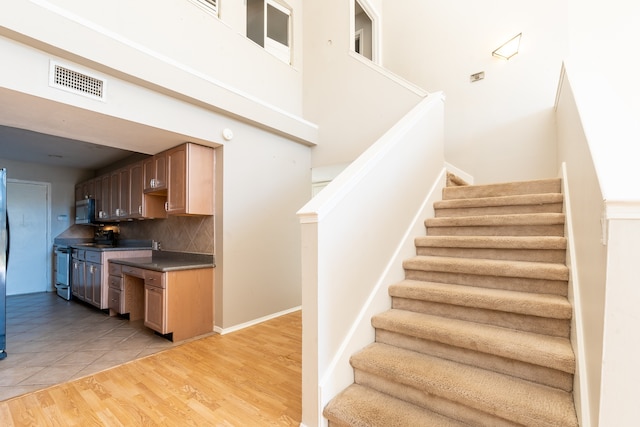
(478, 333)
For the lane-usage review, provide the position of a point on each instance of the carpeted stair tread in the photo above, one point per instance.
(487, 267)
(493, 242)
(483, 202)
(516, 248)
(532, 304)
(536, 349)
(513, 399)
(359, 406)
(552, 185)
(544, 218)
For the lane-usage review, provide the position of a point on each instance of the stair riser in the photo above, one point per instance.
(540, 325)
(515, 368)
(498, 210)
(556, 256)
(541, 286)
(507, 230)
(432, 402)
(508, 189)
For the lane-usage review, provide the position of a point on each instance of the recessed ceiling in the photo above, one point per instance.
(34, 147)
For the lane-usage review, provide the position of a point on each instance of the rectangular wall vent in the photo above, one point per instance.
(75, 81)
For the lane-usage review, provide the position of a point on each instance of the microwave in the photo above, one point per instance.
(85, 211)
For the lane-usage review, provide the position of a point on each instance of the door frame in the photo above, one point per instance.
(49, 250)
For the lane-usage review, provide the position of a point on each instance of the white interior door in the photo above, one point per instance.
(28, 268)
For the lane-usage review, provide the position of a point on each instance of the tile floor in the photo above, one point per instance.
(51, 340)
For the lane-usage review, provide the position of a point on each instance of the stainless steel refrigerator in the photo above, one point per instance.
(4, 259)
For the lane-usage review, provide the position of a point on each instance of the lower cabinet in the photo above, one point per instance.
(88, 283)
(178, 304)
(155, 308)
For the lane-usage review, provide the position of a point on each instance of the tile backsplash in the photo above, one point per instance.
(176, 233)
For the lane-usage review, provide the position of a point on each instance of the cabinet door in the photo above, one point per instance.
(136, 200)
(93, 280)
(154, 308)
(177, 175)
(105, 197)
(114, 195)
(125, 191)
(78, 279)
(97, 185)
(155, 173)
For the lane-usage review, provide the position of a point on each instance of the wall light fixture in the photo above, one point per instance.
(509, 49)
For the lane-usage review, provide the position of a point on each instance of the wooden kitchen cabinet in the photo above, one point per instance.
(88, 283)
(179, 302)
(77, 274)
(190, 173)
(155, 302)
(155, 174)
(85, 190)
(119, 197)
(136, 184)
(143, 205)
(103, 207)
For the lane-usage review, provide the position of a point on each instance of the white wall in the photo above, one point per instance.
(352, 101)
(264, 180)
(500, 128)
(602, 39)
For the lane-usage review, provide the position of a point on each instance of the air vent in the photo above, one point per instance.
(75, 81)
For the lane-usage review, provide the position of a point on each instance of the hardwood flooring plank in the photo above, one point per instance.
(249, 377)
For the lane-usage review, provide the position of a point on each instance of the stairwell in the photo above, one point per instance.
(478, 333)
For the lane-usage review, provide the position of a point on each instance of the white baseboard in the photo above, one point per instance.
(223, 331)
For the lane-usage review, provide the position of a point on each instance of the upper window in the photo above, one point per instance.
(269, 25)
(364, 30)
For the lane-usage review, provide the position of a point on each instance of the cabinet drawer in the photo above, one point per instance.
(78, 254)
(114, 300)
(115, 282)
(115, 269)
(93, 256)
(154, 278)
(133, 271)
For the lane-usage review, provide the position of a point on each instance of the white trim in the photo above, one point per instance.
(254, 322)
(622, 209)
(47, 185)
(576, 321)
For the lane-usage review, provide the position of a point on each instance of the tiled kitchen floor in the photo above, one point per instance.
(51, 340)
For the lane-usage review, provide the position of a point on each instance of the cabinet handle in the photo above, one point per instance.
(166, 206)
(152, 183)
(140, 209)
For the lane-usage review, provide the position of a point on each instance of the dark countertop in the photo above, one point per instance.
(169, 261)
(103, 248)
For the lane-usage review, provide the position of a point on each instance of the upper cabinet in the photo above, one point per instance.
(85, 190)
(155, 173)
(178, 181)
(190, 180)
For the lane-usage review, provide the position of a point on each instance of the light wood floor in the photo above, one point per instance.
(251, 377)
